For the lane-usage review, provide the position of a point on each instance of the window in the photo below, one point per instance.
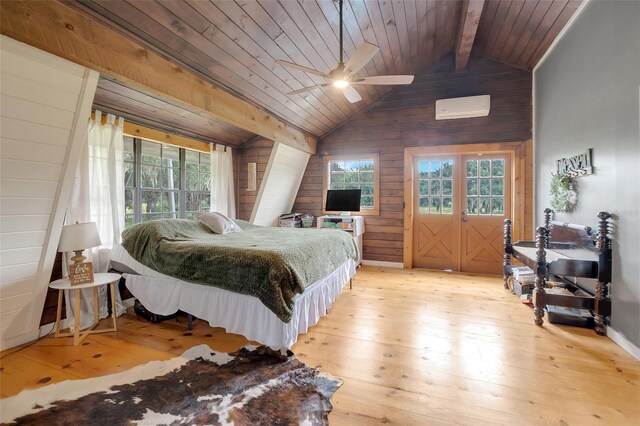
(163, 181)
(354, 172)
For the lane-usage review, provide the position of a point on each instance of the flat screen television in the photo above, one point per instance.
(343, 200)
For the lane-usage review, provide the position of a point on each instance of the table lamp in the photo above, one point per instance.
(77, 237)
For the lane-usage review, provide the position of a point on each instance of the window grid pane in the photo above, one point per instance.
(354, 174)
(163, 188)
(435, 187)
(485, 187)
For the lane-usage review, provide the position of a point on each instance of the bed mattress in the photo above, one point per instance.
(237, 313)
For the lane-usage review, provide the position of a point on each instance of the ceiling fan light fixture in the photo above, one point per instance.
(341, 84)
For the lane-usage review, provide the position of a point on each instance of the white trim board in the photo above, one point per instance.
(280, 184)
(382, 264)
(622, 341)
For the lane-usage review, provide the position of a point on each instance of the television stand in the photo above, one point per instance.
(352, 224)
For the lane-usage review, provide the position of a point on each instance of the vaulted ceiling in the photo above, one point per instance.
(235, 44)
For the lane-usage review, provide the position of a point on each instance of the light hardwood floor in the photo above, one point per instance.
(413, 348)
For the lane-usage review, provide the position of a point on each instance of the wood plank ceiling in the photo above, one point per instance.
(234, 43)
(141, 108)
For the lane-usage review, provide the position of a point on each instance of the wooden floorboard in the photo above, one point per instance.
(412, 347)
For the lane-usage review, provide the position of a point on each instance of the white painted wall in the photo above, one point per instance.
(45, 102)
(279, 185)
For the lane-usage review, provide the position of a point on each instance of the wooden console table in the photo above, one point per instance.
(568, 251)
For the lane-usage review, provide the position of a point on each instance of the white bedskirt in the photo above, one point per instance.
(237, 313)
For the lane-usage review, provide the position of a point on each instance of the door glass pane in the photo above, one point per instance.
(447, 187)
(485, 186)
(485, 168)
(472, 187)
(423, 169)
(497, 186)
(472, 168)
(447, 168)
(424, 187)
(472, 205)
(497, 167)
(435, 205)
(434, 169)
(424, 205)
(447, 205)
(435, 187)
(485, 205)
(497, 206)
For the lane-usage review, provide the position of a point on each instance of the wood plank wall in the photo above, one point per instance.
(406, 118)
(254, 152)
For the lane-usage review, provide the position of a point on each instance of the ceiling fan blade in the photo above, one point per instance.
(301, 68)
(363, 55)
(385, 79)
(306, 89)
(351, 94)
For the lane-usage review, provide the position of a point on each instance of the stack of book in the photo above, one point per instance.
(523, 280)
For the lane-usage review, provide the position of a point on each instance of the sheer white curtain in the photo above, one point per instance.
(222, 190)
(98, 196)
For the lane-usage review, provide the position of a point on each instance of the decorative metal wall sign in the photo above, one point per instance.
(578, 165)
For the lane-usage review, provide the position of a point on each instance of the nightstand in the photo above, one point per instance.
(98, 280)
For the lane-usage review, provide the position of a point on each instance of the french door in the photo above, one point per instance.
(460, 202)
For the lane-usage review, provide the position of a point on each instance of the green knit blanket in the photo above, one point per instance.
(272, 264)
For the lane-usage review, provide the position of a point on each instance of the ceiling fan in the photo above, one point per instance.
(343, 76)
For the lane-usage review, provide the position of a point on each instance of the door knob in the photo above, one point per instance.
(463, 217)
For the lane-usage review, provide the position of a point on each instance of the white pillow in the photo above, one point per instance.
(217, 222)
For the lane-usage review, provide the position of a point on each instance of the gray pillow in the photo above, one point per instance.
(217, 222)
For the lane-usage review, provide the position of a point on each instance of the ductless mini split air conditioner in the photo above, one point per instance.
(467, 107)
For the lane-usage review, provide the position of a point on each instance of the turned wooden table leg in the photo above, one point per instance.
(539, 294)
(508, 251)
(603, 244)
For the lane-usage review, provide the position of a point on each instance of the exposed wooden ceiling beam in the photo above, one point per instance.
(62, 31)
(469, 20)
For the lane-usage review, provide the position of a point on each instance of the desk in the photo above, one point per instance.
(98, 280)
(351, 224)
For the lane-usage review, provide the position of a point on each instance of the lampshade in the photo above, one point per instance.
(79, 236)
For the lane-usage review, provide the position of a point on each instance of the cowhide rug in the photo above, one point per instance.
(252, 386)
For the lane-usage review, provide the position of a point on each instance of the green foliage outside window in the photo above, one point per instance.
(354, 174)
(163, 181)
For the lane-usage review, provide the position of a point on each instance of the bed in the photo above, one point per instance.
(267, 284)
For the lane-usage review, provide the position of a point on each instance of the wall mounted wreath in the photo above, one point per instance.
(564, 196)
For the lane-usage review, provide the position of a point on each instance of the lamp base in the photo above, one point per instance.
(78, 258)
